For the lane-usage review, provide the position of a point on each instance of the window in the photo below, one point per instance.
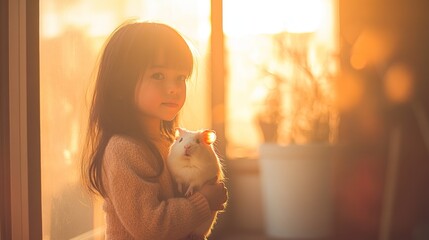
(260, 41)
(71, 36)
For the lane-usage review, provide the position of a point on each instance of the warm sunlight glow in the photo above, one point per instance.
(268, 44)
(303, 15)
(349, 91)
(372, 47)
(399, 83)
(272, 16)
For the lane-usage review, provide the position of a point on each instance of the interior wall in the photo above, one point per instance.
(368, 126)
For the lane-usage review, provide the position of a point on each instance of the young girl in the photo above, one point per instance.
(140, 89)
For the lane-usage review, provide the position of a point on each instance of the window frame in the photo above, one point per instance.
(217, 75)
(21, 124)
(5, 214)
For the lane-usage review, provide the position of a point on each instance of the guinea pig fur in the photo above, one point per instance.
(192, 160)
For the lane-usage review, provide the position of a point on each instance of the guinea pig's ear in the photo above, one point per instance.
(177, 133)
(208, 136)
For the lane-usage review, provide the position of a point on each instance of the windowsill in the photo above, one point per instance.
(243, 165)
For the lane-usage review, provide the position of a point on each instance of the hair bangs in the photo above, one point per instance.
(176, 54)
(169, 49)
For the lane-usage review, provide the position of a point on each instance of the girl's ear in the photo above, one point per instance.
(178, 132)
(208, 136)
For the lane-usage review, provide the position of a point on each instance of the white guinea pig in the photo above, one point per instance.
(193, 162)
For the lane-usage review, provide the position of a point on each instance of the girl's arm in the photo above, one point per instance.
(136, 201)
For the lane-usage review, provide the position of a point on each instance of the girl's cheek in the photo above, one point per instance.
(147, 96)
(183, 94)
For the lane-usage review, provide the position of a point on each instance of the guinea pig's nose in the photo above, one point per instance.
(187, 150)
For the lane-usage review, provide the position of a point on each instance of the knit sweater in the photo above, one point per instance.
(138, 207)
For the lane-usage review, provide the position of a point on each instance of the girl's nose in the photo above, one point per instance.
(173, 87)
(172, 90)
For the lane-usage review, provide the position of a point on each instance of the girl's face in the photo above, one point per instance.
(161, 92)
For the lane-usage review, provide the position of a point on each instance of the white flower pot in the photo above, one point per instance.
(297, 190)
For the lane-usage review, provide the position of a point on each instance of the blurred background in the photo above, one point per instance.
(321, 108)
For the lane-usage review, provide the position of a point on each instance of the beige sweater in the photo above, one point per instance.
(138, 208)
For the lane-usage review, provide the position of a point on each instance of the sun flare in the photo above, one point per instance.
(273, 16)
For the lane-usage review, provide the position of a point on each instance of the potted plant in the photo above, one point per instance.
(297, 123)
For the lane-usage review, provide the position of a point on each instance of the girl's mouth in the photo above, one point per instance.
(170, 105)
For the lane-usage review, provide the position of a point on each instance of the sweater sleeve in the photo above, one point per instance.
(135, 199)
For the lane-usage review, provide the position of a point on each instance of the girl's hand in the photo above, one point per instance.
(216, 194)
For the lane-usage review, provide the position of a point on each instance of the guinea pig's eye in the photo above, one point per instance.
(197, 141)
(180, 140)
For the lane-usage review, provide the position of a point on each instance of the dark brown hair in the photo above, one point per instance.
(128, 52)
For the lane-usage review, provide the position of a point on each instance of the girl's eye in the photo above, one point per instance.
(197, 141)
(180, 140)
(158, 76)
